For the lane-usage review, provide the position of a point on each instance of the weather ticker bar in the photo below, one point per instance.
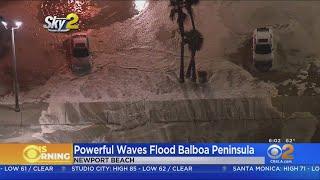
(121, 160)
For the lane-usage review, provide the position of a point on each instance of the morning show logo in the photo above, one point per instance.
(55, 24)
(46, 154)
(279, 154)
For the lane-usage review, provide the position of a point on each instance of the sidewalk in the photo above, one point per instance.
(200, 120)
(18, 127)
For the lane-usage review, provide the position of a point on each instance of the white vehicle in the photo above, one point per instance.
(263, 48)
(80, 51)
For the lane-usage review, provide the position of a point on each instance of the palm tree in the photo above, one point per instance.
(194, 36)
(188, 6)
(194, 39)
(177, 9)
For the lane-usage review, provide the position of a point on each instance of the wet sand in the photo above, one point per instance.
(93, 14)
(37, 63)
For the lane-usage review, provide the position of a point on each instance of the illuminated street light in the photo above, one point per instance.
(18, 24)
(4, 24)
(16, 83)
(14, 64)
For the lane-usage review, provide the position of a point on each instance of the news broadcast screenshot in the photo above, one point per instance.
(159, 89)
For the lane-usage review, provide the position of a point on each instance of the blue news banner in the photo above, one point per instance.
(175, 161)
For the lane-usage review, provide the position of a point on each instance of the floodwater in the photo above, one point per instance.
(93, 14)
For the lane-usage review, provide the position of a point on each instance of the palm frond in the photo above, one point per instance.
(190, 10)
(182, 16)
(172, 3)
(173, 13)
(194, 39)
(192, 2)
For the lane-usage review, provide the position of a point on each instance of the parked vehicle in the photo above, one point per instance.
(263, 49)
(80, 52)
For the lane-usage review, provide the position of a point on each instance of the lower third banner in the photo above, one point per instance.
(160, 161)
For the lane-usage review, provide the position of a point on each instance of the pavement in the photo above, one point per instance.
(18, 127)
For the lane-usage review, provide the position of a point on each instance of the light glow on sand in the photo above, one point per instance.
(140, 5)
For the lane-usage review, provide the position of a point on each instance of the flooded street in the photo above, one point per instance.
(93, 14)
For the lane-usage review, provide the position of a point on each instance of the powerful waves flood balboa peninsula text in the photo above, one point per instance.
(164, 150)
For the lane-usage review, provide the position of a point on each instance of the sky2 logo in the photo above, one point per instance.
(55, 24)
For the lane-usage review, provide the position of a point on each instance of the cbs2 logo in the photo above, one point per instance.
(275, 151)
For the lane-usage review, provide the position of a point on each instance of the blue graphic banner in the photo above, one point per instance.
(301, 153)
(164, 161)
(161, 172)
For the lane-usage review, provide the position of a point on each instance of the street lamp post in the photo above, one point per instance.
(14, 65)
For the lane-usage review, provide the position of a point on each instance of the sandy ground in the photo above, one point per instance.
(138, 58)
(37, 56)
(295, 71)
(296, 68)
